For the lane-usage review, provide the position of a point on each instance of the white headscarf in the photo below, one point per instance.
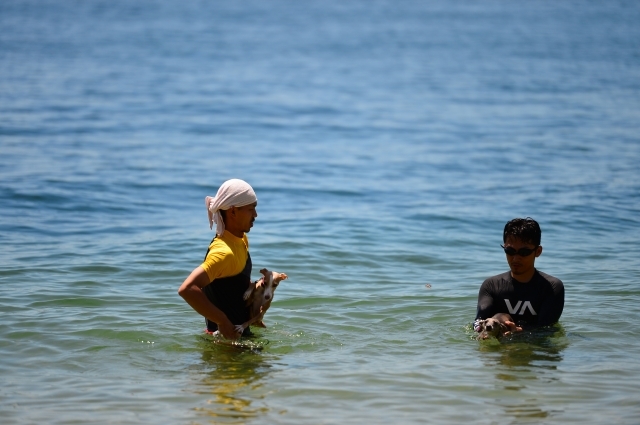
(232, 193)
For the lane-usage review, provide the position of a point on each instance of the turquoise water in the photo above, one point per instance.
(388, 143)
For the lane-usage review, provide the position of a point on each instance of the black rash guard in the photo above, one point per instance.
(538, 302)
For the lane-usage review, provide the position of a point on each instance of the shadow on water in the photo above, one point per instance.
(234, 375)
(521, 361)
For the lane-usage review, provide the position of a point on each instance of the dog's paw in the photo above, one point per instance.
(239, 329)
(247, 293)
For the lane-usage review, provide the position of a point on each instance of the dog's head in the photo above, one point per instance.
(271, 281)
(490, 327)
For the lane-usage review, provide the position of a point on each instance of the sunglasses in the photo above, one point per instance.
(523, 252)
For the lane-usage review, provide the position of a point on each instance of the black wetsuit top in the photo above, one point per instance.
(538, 302)
(226, 294)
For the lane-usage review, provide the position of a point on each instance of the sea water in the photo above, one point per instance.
(388, 143)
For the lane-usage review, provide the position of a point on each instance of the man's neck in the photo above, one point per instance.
(525, 277)
(235, 232)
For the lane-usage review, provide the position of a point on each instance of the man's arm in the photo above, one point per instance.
(485, 306)
(191, 292)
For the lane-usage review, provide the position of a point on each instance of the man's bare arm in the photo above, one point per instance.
(191, 291)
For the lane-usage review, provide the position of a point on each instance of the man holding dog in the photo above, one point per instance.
(215, 288)
(531, 297)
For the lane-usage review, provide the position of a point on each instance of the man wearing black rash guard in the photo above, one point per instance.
(531, 297)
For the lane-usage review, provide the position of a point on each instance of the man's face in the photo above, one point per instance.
(521, 265)
(245, 216)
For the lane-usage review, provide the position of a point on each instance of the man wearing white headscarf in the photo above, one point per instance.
(214, 289)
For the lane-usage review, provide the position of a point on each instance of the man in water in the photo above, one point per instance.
(214, 289)
(531, 297)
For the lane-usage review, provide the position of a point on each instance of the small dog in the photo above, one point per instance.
(495, 326)
(259, 296)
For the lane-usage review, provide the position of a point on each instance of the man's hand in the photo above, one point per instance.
(228, 330)
(512, 327)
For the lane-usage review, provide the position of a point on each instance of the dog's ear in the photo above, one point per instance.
(277, 278)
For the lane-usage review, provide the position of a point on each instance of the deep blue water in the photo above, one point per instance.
(388, 144)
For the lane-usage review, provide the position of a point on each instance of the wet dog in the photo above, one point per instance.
(495, 326)
(259, 296)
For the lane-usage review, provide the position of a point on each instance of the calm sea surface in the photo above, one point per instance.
(388, 143)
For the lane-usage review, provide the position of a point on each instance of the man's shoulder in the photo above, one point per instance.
(498, 278)
(232, 242)
(551, 279)
(227, 248)
(219, 249)
(556, 284)
(219, 244)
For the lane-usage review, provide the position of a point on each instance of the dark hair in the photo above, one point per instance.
(525, 229)
(223, 214)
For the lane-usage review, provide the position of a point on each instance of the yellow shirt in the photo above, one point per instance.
(227, 256)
